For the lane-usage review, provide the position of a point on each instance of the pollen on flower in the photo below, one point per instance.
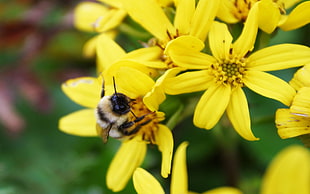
(242, 8)
(149, 125)
(229, 72)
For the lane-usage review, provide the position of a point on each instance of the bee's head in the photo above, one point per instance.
(120, 103)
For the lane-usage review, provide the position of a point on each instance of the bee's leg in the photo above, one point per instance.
(127, 124)
(137, 128)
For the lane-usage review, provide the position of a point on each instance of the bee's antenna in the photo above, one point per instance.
(114, 85)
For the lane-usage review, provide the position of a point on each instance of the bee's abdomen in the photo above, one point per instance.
(102, 116)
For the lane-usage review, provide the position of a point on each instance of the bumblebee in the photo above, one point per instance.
(115, 117)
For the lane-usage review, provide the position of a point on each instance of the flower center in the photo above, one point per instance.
(162, 44)
(229, 72)
(242, 8)
(148, 125)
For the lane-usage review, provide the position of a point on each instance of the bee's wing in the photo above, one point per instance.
(103, 133)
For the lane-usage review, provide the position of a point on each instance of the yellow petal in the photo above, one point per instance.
(184, 13)
(298, 17)
(157, 95)
(133, 82)
(301, 78)
(211, 106)
(246, 40)
(289, 172)
(115, 70)
(290, 125)
(220, 41)
(203, 17)
(301, 103)
(80, 123)
(278, 57)
(239, 116)
(184, 52)
(145, 183)
(224, 190)
(113, 3)
(108, 51)
(269, 15)
(145, 54)
(269, 86)
(110, 20)
(86, 14)
(289, 3)
(226, 13)
(89, 48)
(129, 156)
(179, 181)
(188, 82)
(150, 15)
(84, 91)
(150, 57)
(183, 43)
(164, 140)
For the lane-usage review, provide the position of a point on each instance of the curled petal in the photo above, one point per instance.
(179, 172)
(185, 52)
(211, 106)
(110, 20)
(290, 125)
(269, 86)
(279, 57)
(301, 78)
(145, 183)
(269, 15)
(301, 103)
(239, 116)
(84, 91)
(80, 123)
(133, 82)
(129, 156)
(289, 172)
(164, 140)
(299, 17)
(145, 54)
(157, 95)
(183, 43)
(86, 14)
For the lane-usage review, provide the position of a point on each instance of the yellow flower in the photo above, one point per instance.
(101, 17)
(188, 20)
(272, 13)
(289, 172)
(86, 92)
(295, 121)
(145, 183)
(229, 69)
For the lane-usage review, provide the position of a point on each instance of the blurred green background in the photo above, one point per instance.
(40, 49)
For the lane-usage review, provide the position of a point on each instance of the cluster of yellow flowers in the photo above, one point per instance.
(190, 49)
